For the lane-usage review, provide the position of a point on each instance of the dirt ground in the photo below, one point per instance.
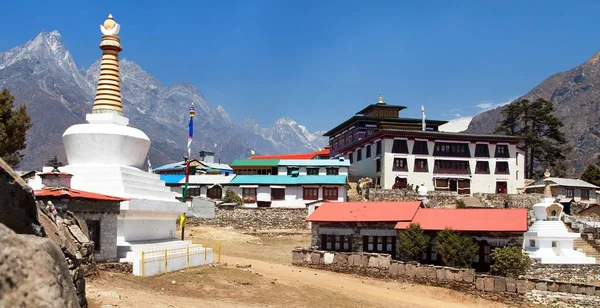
(271, 281)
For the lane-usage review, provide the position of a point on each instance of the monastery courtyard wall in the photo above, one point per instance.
(257, 218)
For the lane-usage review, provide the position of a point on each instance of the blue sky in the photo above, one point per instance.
(319, 62)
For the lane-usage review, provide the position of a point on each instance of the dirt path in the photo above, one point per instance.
(378, 292)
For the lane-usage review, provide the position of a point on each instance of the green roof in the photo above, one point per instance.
(255, 163)
(288, 180)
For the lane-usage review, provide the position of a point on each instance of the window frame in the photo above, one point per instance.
(248, 196)
(419, 149)
(501, 171)
(478, 170)
(424, 168)
(478, 153)
(570, 192)
(368, 151)
(329, 195)
(504, 153)
(309, 196)
(359, 154)
(280, 194)
(328, 171)
(400, 146)
(378, 165)
(403, 166)
(310, 171)
(585, 194)
(378, 147)
(451, 149)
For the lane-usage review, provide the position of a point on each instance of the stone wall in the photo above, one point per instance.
(583, 273)
(463, 279)
(434, 198)
(522, 201)
(108, 235)
(256, 218)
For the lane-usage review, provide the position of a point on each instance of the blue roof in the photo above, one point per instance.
(181, 165)
(172, 178)
(177, 165)
(314, 162)
(288, 180)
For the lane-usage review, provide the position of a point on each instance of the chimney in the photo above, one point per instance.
(207, 157)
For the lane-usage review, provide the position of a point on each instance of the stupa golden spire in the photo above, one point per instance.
(380, 101)
(108, 92)
(547, 181)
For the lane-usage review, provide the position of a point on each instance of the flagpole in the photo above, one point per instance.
(187, 167)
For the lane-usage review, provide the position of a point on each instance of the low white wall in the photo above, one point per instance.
(154, 264)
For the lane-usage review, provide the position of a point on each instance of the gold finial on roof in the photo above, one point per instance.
(109, 23)
(547, 173)
(547, 189)
(380, 98)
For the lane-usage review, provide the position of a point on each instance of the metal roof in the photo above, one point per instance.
(208, 179)
(563, 182)
(365, 211)
(314, 162)
(255, 163)
(473, 220)
(288, 180)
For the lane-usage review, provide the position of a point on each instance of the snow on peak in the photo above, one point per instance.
(286, 121)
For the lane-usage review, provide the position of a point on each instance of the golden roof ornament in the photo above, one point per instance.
(380, 98)
(110, 27)
(108, 92)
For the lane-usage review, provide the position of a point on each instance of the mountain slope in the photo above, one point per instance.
(576, 95)
(43, 75)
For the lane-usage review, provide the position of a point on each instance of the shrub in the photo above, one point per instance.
(456, 250)
(509, 261)
(460, 204)
(413, 242)
(232, 197)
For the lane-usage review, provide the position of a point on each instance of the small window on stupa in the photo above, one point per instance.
(553, 213)
(531, 243)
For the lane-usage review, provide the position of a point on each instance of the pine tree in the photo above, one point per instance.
(14, 124)
(413, 242)
(456, 249)
(543, 141)
(592, 173)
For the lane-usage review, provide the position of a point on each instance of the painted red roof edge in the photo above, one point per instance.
(404, 224)
(414, 204)
(73, 193)
(324, 151)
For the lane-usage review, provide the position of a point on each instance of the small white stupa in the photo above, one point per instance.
(548, 240)
(104, 157)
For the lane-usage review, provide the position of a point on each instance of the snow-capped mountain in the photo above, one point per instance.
(42, 74)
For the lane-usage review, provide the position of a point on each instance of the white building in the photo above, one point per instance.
(289, 183)
(397, 152)
(567, 190)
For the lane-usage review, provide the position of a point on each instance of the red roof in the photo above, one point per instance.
(73, 193)
(324, 151)
(490, 220)
(365, 211)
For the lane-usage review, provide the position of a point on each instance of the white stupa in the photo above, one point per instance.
(104, 157)
(548, 240)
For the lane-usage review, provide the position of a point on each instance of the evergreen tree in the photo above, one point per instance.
(592, 173)
(543, 141)
(457, 250)
(14, 124)
(413, 242)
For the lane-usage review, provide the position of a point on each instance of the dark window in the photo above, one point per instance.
(333, 171)
(421, 165)
(585, 194)
(368, 151)
(482, 150)
(330, 193)
(377, 165)
(451, 167)
(383, 244)
(378, 148)
(420, 147)
(441, 184)
(502, 151)
(312, 171)
(277, 193)
(310, 193)
(193, 192)
(249, 195)
(336, 242)
(350, 156)
(215, 192)
(400, 147)
(400, 164)
(451, 149)
(569, 192)
(482, 167)
(292, 169)
(94, 232)
(502, 167)
(359, 155)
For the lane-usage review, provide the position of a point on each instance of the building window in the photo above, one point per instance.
(215, 192)
(94, 232)
(400, 164)
(333, 171)
(451, 149)
(531, 243)
(378, 148)
(421, 165)
(554, 244)
(277, 193)
(585, 194)
(310, 193)
(501, 151)
(377, 165)
(420, 147)
(368, 151)
(400, 147)
(330, 193)
(193, 192)
(381, 244)
(292, 169)
(502, 167)
(336, 242)
(312, 171)
(569, 192)
(350, 156)
(482, 167)
(249, 195)
(482, 150)
(358, 154)
(451, 167)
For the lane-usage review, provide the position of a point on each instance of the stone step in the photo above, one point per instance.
(582, 245)
(472, 202)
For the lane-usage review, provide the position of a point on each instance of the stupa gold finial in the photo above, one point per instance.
(108, 92)
(547, 189)
(380, 101)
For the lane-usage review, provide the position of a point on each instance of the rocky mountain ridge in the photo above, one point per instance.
(42, 74)
(576, 96)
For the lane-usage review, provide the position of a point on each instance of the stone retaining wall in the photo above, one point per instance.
(257, 218)
(582, 273)
(463, 279)
(434, 198)
(522, 201)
